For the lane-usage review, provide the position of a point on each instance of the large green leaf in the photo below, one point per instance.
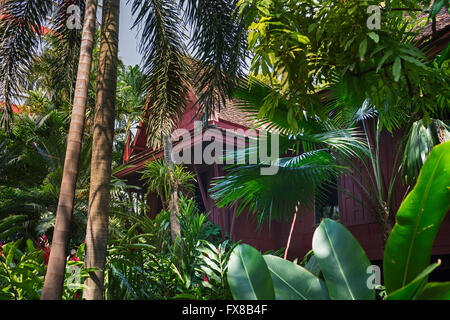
(248, 275)
(397, 69)
(435, 291)
(343, 262)
(9, 225)
(292, 282)
(408, 249)
(12, 252)
(313, 266)
(412, 289)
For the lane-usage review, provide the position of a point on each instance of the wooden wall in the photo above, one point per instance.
(352, 214)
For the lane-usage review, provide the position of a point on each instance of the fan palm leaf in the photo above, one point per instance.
(312, 156)
(299, 180)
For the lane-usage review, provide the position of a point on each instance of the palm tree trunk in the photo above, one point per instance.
(175, 229)
(54, 278)
(385, 218)
(99, 195)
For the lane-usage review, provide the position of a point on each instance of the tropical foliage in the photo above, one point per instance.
(157, 177)
(20, 44)
(309, 47)
(327, 80)
(340, 267)
(24, 265)
(143, 263)
(319, 69)
(317, 153)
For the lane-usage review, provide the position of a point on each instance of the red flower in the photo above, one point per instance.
(46, 248)
(205, 277)
(38, 243)
(74, 258)
(46, 255)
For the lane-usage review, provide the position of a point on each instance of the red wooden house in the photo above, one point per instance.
(244, 227)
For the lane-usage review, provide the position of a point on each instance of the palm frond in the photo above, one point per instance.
(252, 97)
(219, 45)
(66, 41)
(20, 28)
(310, 158)
(311, 133)
(157, 176)
(270, 111)
(163, 50)
(299, 181)
(347, 105)
(319, 160)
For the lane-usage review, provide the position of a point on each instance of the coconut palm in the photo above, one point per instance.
(54, 279)
(102, 151)
(20, 43)
(21, 31)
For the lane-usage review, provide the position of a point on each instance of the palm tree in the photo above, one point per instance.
(54, 278)
(313, 155)
(131, 98)
(219, 43)
(20, 46)
(99, 193)
(19, 43)
(32, 171)
(163, 180)
(21, 30)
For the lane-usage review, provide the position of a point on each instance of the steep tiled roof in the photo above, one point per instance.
(442, 23)
(232, 113)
